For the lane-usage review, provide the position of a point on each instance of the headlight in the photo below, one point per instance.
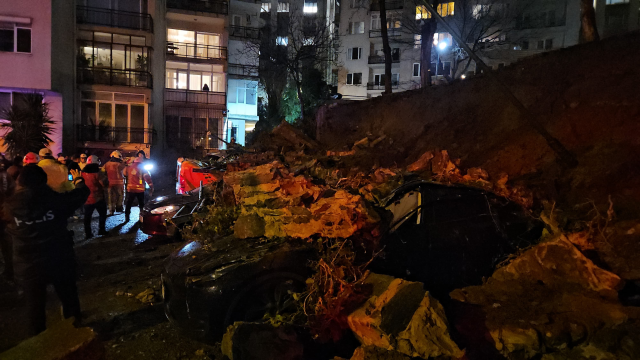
(148, 167)
(160, 198)
(164, 209)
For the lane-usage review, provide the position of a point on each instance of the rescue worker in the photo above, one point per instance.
(114, 169)
(30, 158)
(57, 174)
(43, 247)
(136, 178)
(96, 180)
(83, 161)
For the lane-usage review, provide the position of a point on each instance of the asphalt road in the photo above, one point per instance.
(110, 267)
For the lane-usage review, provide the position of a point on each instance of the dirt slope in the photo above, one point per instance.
(588, 96)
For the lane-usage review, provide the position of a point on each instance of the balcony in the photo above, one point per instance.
(114, 18)
(389, 5)
(196, 51)
(244, 32)
(380, 86)
(114, 135)
(242, 70)
(192, 140)
(114, 77)
(208, 6)
(195, 97)
(393, 32)
(375, 59)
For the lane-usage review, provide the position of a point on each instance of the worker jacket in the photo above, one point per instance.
(114, 168)
(37, 221)
(57, 175)
(137, 177)
(96, 181)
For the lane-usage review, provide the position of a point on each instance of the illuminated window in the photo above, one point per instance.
(439, 37)
(417, 41)
(445, 9)
(356, 27)
(266, 7)
(283, 7)
(310, 7)
(282, 40)
(613, 2)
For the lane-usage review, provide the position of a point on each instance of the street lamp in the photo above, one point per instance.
(442, 46)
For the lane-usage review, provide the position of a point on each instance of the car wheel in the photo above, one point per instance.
(268, 296)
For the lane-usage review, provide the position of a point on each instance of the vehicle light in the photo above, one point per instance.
(164, 209)
(148, 167)
(161, 198)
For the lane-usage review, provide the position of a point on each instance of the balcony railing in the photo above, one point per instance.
(114, 77)
(114, 18)
(115, 134)
(197, 51)
(192, 140)
(195, 97)
(244, 32)
(380, 86)
(209, 6)
(242, 70)
(389, 5)
(390, 32)
(375, 59)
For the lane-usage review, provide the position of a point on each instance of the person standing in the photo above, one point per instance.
(96, 181)
(57, 174)
(43, 247)
(136, 177)
(83, 161)
(114, 168)
(15, 168)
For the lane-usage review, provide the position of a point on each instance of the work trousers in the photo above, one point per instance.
(116, 194)
(101, 206)
(6, 247)
(35, 296)
(130, 197)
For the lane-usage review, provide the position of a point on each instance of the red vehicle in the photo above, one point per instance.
(191, 172)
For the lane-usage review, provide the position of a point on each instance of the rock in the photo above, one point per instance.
(400, 315)
(548, 299)
(375, 353)
(253, 341)
(62, 341)
(249, 226)
(423, 163)
(294, 136)
(474, 174)
(441, 164)
(619, 247)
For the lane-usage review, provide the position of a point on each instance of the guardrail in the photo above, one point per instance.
(375, 59)
(390, 32)
(114, 77)
(242, 70)
(196, 51)
(244, 32)
(195, 97)
(209, 6)
(114, 18)
(380, 86)
(115, 134)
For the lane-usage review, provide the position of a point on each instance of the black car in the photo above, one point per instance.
(444, 236)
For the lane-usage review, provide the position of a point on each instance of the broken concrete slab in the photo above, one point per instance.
(376, 353)
(62, 341)
(259, 341)
(248, 226)
(401, 316)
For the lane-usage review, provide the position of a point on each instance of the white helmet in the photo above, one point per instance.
(93, 159)
(116, 154)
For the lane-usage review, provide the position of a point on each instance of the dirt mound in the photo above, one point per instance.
(586, 96)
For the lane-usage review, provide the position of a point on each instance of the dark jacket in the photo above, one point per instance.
(72, 165)
(37, 220)
(96, 181)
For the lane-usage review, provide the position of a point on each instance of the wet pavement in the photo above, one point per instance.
(113, 269)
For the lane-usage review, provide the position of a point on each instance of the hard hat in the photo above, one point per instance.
(31, 158)
(45, 152)
(93, 160)
(116, 154)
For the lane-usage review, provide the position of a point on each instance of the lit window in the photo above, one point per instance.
(283, 7)
(282, 40)
(613, 2)
(375, 22)
(417, 41)
(310, 7)
(266, 7)
(416, 69)
(14, 38)
(445, 9)
(440, 37)
(356, 27)
(308, 41)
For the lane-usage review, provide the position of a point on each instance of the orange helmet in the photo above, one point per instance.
(31, 158)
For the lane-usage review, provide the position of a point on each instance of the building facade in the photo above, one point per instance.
(26, 58)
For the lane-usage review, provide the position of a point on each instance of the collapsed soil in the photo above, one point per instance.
(586, 96)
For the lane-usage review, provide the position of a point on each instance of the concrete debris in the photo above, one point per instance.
(376, 353)
(423, 163)
(253, 341)
(62, 341)
(248, 226)
(294, 136)
(552, 298)
(147, 297)
(401, 316)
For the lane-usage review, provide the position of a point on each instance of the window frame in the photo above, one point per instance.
(282, 8)
(414, 70)
(353, 78)
(310, 7)
(265, 7)
(15, 28)
(350, 53)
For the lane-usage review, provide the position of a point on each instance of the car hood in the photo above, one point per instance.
(176, 200)
(195, 258)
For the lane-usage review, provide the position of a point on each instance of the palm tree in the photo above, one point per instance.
(29, 123)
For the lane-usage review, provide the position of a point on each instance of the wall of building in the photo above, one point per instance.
(158, 64)
(28, 70)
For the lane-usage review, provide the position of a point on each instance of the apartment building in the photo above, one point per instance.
(511, 30)
(25, 55)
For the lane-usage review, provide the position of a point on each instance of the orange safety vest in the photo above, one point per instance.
(137, 177)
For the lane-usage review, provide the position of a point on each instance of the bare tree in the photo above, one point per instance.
(588, 29)
(386, 49)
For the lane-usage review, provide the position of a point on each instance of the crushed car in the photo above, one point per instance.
(445, 236)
